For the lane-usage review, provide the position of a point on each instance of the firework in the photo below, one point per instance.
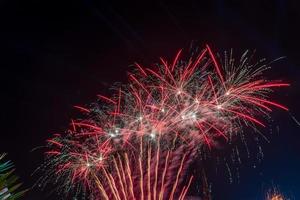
(192, 103)
(152, 174)
(9, 183)
(149, 173)
(274, 195)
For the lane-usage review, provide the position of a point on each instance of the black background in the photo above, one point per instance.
(56, 54)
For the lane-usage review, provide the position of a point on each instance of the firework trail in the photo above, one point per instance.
(153, 175)
(148, 173)
(190, 104)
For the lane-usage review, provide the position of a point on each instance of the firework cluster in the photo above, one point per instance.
(155, 124)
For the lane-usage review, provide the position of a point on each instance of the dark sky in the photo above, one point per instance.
(59, 53)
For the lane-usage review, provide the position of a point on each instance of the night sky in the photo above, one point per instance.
(56, 54)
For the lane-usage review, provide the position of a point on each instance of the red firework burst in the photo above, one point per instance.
(181, 103)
